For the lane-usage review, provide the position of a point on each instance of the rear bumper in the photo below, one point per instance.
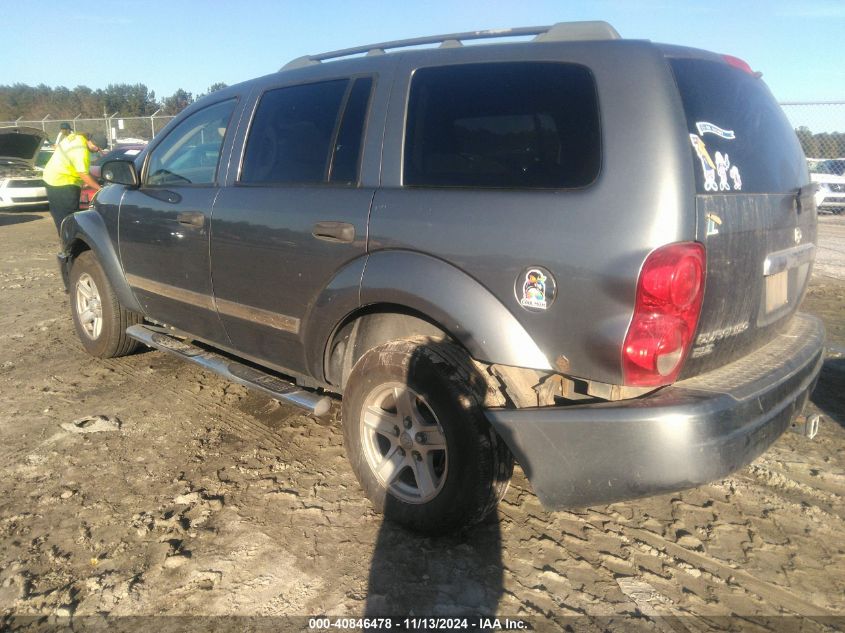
(693, 432)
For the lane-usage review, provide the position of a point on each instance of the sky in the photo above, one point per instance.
(192, 44)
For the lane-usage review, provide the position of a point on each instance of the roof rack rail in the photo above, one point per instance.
(560, 32)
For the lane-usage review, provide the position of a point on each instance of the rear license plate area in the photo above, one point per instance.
(785, 275)
(777, 291)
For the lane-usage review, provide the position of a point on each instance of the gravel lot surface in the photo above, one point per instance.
(830, 259)
(143, 486)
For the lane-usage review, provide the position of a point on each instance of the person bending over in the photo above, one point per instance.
(66, 171)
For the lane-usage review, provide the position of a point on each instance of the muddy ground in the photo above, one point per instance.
(192, 496)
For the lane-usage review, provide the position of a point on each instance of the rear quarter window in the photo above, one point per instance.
(524, 125)
(740, 139)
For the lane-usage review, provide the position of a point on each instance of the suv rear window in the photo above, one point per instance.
(525, 125)
(741, 140)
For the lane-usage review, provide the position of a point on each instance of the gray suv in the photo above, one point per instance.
(579, 252)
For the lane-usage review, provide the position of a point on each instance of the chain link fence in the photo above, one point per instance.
(821, 129)
(820, 126)
(117, 129)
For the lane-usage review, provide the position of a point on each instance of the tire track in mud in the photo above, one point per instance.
(616, 548)
(241, 424)
(774, 596)
(657, 562)
(166, 381)
(796, 489)
(636, 552)
(138, 380)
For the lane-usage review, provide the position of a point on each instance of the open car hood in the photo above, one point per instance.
(21, 143)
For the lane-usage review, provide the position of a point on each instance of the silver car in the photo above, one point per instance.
(830, 184)
(21, 185)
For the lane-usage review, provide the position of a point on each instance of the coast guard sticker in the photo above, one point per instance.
(535, 289)
(705, 127)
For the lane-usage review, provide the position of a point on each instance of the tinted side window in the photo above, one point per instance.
(290, 140)
(191, 151)
(504, 125)
(347, 151)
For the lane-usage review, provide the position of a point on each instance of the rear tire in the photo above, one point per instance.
(417, 438)
(99, 319)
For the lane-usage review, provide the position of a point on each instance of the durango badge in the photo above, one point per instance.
(535, 289)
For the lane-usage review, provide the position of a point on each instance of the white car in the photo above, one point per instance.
(830, 184)
(21, 185)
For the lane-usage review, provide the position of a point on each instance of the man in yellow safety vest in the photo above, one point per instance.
(66, 171)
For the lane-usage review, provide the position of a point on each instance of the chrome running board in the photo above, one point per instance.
(245, 375)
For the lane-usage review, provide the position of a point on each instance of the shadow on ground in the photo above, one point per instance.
(459, 575)
(9, 220)
(829, 395)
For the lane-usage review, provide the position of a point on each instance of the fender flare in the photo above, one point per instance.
(90, 228)
(466, 309)
(339, 299)
(427, 286)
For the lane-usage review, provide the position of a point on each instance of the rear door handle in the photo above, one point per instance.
(334, 231)
(195, 219)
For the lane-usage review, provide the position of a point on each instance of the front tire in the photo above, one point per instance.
(99, 319)
(417, 437)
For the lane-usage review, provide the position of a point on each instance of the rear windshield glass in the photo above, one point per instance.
(510, 125)
(741, 140)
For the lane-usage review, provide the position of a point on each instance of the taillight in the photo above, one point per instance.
(668, 303)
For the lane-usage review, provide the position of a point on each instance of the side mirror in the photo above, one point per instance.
(121, 172)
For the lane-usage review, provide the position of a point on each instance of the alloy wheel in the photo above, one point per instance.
(403, 442)
(89, 307)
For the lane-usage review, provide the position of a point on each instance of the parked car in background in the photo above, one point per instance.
(21, 185)
(829, 176)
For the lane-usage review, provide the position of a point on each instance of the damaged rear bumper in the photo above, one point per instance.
(693, 432)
